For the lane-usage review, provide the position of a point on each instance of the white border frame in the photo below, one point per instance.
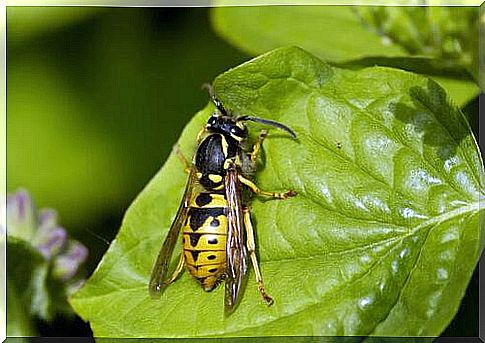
(142, 3)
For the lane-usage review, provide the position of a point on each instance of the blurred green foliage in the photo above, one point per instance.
(440, 42)
(95, 104)
(448, 33)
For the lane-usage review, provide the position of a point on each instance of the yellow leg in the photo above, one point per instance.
(258, 145)
(199, 135)
(251, 245)
(178, 269)
(258, 191)
(182, 158)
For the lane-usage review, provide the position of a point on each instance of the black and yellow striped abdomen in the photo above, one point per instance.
(204, 238)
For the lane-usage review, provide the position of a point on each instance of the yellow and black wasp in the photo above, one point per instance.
(217, 234)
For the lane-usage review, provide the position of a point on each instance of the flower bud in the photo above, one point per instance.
(21, 221)
(47, 219)
(67, 264)
(51, 243)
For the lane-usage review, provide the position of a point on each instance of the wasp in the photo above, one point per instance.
(214, 217)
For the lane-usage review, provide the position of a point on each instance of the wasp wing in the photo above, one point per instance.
(235, 249)
(160, 268)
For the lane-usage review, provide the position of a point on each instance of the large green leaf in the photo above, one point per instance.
(381, 239)
(333, 33)
(359, 35)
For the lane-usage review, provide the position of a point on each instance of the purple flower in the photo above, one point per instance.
(67, 264)
(47, 219)
(20, 215)
(42, 230)
(52, 242)
(49, 238)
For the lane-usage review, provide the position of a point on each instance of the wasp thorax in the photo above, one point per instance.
(228, 126)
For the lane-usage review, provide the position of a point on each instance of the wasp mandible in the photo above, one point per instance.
(214, 217)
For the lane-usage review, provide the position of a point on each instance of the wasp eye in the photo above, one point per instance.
(238, 132)
(212, 121)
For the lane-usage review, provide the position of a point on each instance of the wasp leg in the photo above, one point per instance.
(257, 146)
(258, 191)
(200, 134)
(182, 158)
(178, 269)
(251, 245)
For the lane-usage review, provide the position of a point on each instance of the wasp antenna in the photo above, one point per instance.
(268, 122)
(209, 88)
(214, 99)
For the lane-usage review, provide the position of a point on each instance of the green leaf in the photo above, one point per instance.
(434, 41)
(322, 30)
(455, 79)
(381, 239)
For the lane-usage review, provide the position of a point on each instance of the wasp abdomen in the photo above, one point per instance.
(204, 238)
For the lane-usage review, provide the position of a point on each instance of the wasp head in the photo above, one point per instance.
(228, 126)
(223, 121)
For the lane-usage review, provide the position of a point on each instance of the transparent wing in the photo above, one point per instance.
(236, 249)
(160, 268)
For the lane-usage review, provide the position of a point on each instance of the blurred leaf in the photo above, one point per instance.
(353, 36)
(455, 79)
(461, 91)
(382, 238)
(421, 65)
(472, 113)
(36, 292)
(333, 33)
(27, 277)
(26, 23)
(27, 273)
(18, 319)
(449, 33)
